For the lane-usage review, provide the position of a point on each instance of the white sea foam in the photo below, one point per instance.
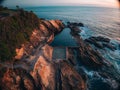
(85, 32)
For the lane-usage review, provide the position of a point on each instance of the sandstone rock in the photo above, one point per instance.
(50, 39)
(75, 29)
(43, 70)
(39, 72)
(71, 80)
(39, 37)
(57, 24)
(16, 79)
(44, 29)
(90, 40)
(19, 53)
(47, 52)
(46, 74)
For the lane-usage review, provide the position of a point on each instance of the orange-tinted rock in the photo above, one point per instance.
(47, 51)
(57, 24)
(50, 39)
(17, 79)
(71, 80)
(89, 56)
(41, 36)
(19, 53)
(44, 70)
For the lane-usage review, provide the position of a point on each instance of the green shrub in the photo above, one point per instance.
(16, 30)
(5, 53)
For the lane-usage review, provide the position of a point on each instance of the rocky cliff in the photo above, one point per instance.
(39, 37)
(33, 66)
(22, 31)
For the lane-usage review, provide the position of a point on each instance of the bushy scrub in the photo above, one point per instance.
(15, 30)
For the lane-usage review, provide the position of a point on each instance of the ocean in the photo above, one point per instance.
(102, 21)
(98, 21)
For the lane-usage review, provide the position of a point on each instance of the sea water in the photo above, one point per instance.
(101, 20)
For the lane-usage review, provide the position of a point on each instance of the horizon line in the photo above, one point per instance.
(90, 5)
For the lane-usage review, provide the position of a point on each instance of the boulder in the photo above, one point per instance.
(58, 25)
(110, 46)
(100, 42)
(70, 79)
(17, 79)
(75, 24)
(100, 38)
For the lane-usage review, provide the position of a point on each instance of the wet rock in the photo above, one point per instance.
(81, 24)
(75, 24)
(88, 56)
(100, 38)
(71, 57)
(97, 84)
(82, 73)
(94, 42)
(100, 42)
(75, 29)
(99, 45)
(71, 80)
(110, 46)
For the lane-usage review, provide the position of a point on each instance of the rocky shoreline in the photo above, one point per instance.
(92, 59)
(35, 69)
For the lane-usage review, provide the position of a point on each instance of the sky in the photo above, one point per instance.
(105, 3)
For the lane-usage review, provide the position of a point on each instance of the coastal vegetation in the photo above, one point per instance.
(16, 26)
